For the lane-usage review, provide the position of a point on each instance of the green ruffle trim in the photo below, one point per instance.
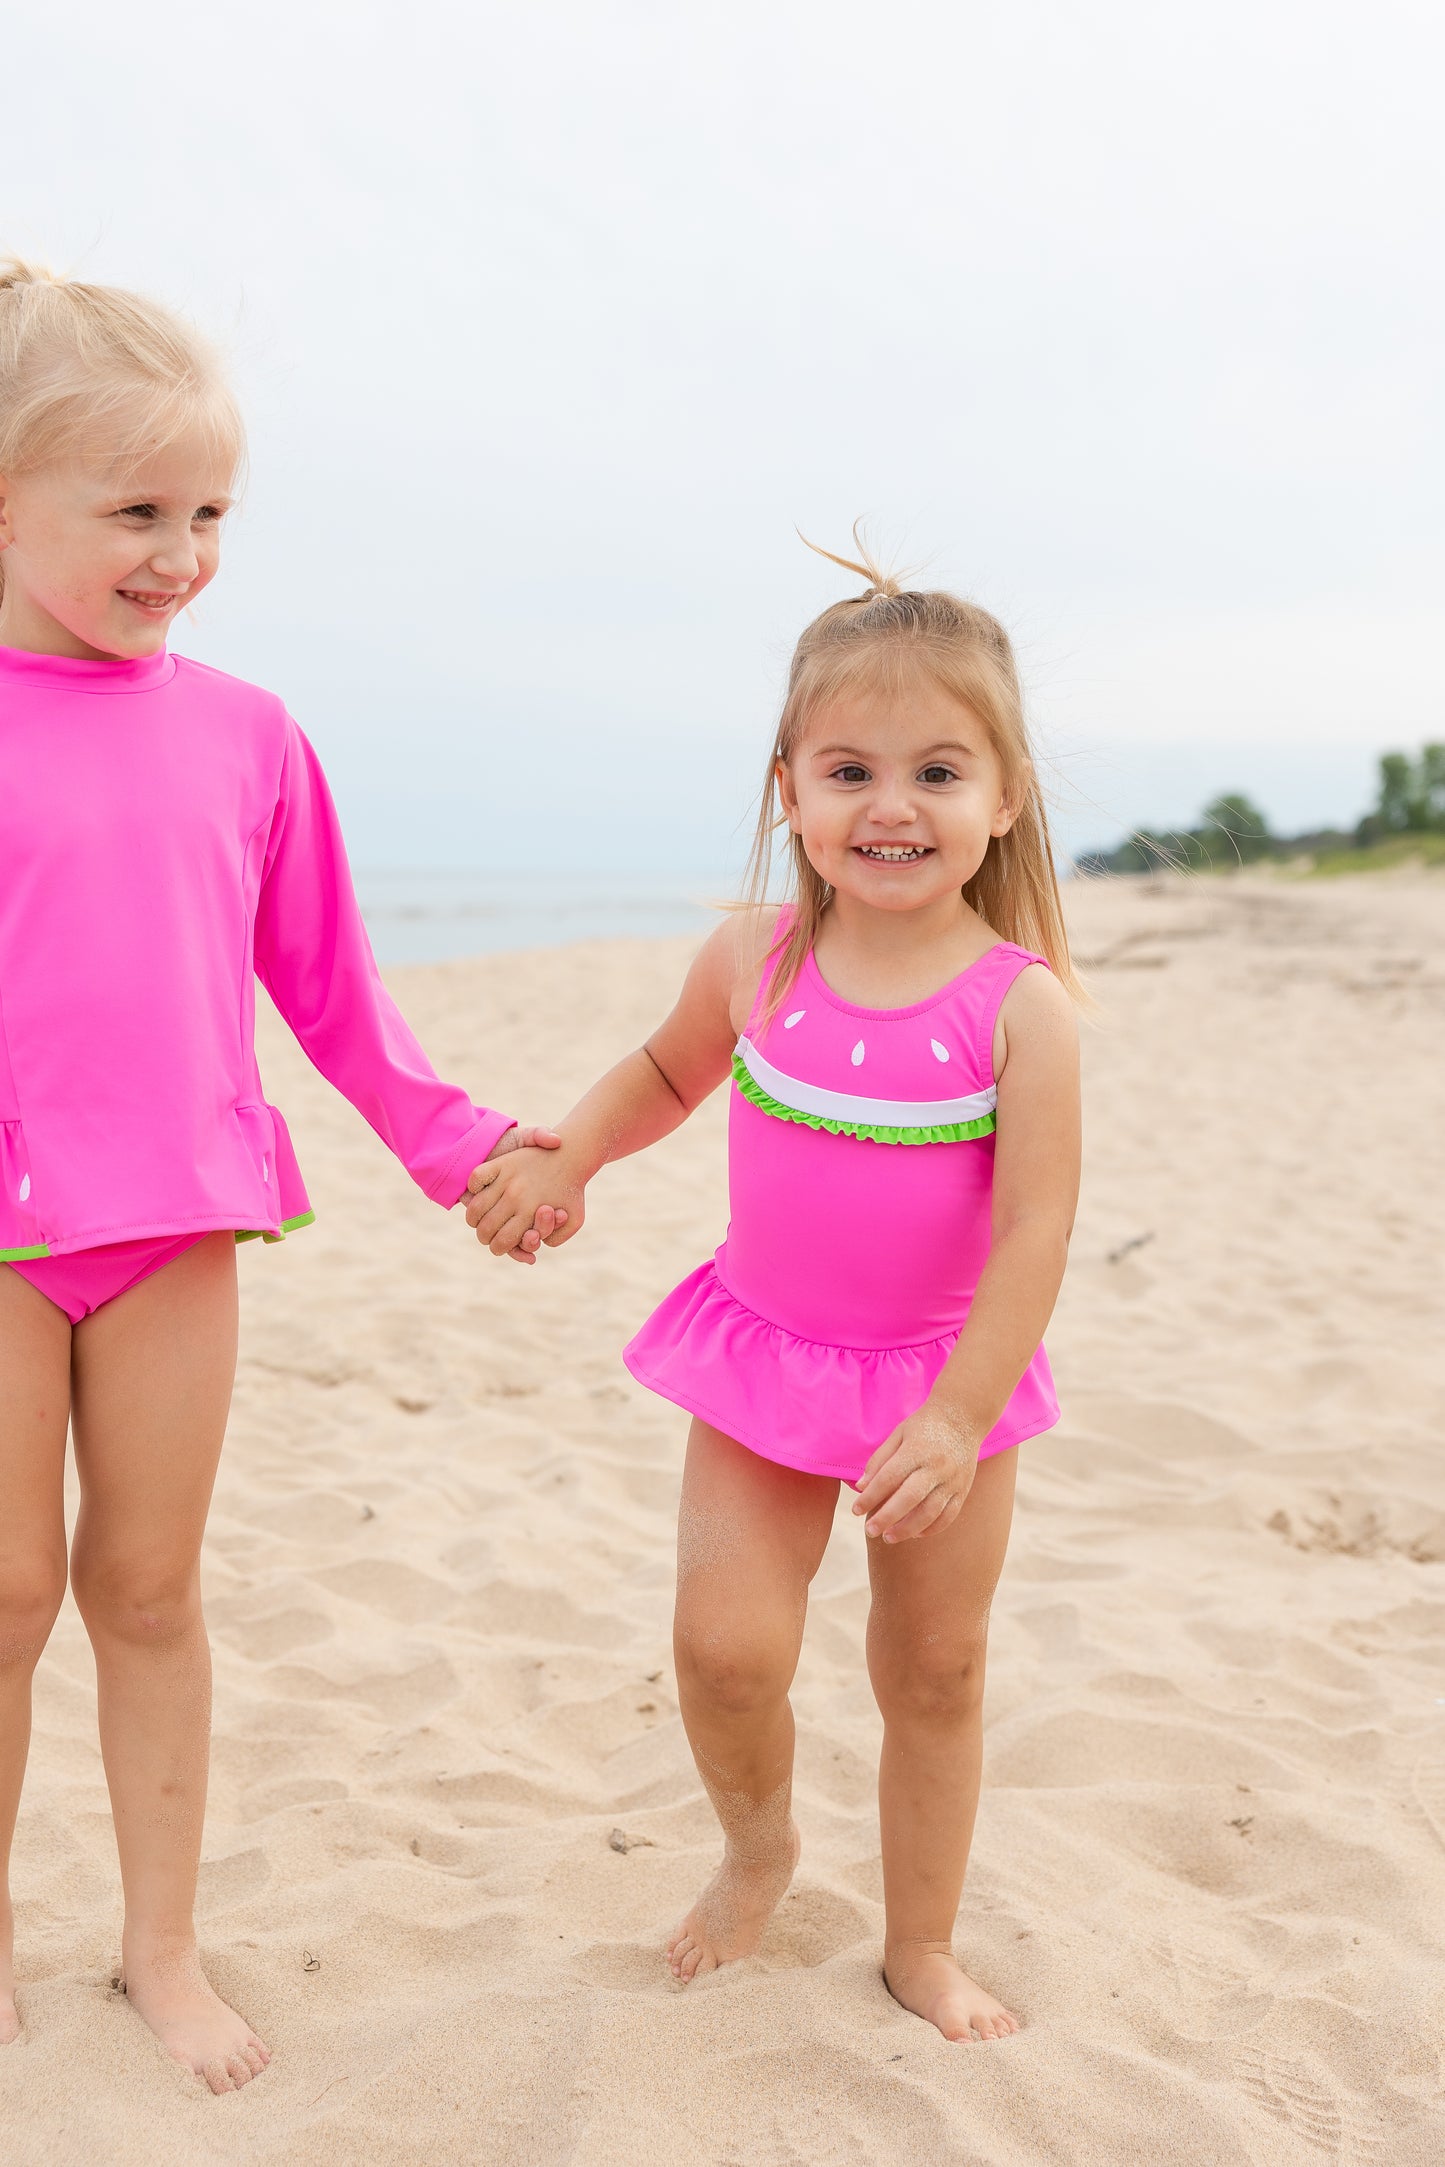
(943, 1132)
(288, 1226)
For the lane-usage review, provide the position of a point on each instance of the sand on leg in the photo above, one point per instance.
(927, 1643)
(151, 1387)
(750, 1537)
(34, 1412)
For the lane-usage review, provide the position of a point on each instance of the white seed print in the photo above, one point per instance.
(796, 1017)
(940, 1053)
(858, 1052)
(25, 1190)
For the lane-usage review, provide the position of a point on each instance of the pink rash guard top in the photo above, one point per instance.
(167, 837)
(860, 1176)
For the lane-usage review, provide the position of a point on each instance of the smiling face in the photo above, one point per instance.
(98, 561)
(896, 795)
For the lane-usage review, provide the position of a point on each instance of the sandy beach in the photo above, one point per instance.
(453, 1811)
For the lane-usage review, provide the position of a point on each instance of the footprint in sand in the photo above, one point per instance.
(1329, 2123)
(1203, 1978)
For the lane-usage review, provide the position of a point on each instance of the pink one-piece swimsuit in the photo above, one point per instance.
(860, 1173)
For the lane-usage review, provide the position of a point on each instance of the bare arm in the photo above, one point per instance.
(644, 1098)
(920, 1477)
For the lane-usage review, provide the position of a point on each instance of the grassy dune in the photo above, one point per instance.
(1382, 857)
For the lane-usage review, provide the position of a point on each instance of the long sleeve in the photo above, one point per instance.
(314, 959)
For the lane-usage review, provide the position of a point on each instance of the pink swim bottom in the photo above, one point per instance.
(85, 1282)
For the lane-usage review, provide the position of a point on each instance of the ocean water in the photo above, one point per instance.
(435, 915)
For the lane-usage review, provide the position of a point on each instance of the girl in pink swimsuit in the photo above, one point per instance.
(903, 1164)
(166, 836)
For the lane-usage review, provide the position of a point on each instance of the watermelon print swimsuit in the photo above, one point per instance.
(860, 1176)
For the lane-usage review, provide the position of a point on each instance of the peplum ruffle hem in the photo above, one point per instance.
(822, 1409)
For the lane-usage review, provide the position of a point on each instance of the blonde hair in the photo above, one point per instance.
(882, 641)
(94, 369)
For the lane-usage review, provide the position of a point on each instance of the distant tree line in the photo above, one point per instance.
(1412, 797)
(1233, 831)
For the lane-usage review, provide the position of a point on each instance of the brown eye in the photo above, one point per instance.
(851, 773)
(937, 774)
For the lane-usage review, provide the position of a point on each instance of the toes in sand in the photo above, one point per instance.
(728, 1919)
(933, 1985)
(169, 1989)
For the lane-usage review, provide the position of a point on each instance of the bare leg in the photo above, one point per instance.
(750, 1537)
(151, 1389)
(34, 1410)
(927, 1640)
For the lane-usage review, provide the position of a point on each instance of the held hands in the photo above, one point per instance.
(524, 1196)
(517, 1139)
(916, 1482)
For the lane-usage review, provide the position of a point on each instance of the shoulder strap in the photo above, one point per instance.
(992, 977)
(770, 967)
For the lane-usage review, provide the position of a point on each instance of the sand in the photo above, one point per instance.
(453, 1811)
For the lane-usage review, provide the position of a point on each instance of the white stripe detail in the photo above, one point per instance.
(806, 1098)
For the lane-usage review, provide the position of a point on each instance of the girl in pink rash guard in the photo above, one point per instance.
(903, 1163)
(166, 837)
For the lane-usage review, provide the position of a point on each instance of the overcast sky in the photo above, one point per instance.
(551, 322)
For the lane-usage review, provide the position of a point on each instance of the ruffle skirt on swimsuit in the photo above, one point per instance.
(801, 1402)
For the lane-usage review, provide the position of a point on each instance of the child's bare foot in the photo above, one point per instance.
(728, 1918)
(931, 1982)
(165, 1984)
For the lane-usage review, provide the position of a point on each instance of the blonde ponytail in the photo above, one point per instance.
(14, 272)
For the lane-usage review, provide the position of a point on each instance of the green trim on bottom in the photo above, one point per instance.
(288, 1226)
(250, 1234)
(946, 1132)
